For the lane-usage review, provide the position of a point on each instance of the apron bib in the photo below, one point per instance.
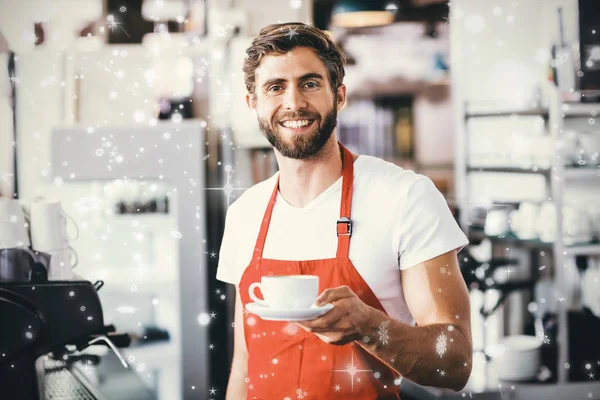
(285, 361)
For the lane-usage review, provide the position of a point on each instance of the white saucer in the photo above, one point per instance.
(288, 314)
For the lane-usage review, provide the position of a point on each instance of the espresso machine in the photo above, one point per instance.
(46, 325)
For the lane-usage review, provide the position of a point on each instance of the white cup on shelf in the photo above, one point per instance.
(590, 295)
(577, 226)
(523, 221)
(13, 230)
(546, 224)
(497, 222)
(49, 230)
(62, 263)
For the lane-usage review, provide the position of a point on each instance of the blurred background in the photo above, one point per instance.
(131, 114)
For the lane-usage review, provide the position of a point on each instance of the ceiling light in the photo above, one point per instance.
(358, 14)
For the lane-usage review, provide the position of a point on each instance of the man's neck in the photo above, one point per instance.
(301, 181)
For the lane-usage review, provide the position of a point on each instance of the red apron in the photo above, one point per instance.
(285, 361)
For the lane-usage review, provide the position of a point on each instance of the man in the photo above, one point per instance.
(381, 239)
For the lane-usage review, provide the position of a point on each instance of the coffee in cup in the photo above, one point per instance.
(286, 291)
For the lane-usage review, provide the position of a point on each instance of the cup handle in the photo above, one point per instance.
(69, 218)
(253, 296)
(74, 254)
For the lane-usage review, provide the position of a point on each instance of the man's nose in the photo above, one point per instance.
(294, 99)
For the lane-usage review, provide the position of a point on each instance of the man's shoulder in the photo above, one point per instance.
(386, 176)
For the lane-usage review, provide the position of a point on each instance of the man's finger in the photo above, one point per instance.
(333, 294)
(325, 322)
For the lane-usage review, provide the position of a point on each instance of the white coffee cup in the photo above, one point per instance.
(496, 222)
(49, 226)
(13, 231)
(523, 222)
(577, 225)
(61, 264)
(286, 291)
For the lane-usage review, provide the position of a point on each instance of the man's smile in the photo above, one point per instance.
(297, 125)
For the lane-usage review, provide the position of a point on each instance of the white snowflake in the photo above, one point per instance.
(166, 136)
(580, 74)
(593, 113)
(300, 394)
(122, 9)
(112, 95)
(545, 339)
(567, 365)
(176, 234)
(592, 121)
(99, 152)
(383, 332)
(489, 281)
(440, 345)
(82, 308)
(366, 339)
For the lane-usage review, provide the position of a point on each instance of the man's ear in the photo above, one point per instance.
(341, 97)
(251, 101)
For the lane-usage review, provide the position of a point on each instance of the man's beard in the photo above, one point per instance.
(304, 146)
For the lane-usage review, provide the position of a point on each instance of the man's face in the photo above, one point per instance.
(294, 102)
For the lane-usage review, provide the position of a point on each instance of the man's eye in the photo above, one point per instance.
(312, 85)
(274, 88)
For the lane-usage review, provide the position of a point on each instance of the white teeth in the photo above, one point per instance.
(296, 124)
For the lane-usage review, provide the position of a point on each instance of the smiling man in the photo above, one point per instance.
(381, 239)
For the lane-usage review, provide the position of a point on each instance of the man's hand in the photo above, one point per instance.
(347, 321)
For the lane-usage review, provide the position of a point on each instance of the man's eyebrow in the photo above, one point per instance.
(275, 81)
(311, 75)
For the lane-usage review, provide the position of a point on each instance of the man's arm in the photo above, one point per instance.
(237, 388)
(438, 351)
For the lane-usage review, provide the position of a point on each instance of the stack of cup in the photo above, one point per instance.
(49, 235)
(13, 230)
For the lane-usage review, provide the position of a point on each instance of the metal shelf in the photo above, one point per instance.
(556, 115)
(478, 234)
(580, 110)
(512, 170)
(569, 110)
(570, 173)
(590, 249)
(582, 173)
(532, 112)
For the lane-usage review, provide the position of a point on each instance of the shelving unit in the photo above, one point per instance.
(556, 115)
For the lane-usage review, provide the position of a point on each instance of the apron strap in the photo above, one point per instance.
(344, 224)
(264, 227)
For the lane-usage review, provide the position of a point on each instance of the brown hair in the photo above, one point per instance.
(281, 38)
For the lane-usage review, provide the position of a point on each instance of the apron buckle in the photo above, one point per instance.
(348, 230)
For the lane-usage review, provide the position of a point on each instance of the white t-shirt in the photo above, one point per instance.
(399, 220)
